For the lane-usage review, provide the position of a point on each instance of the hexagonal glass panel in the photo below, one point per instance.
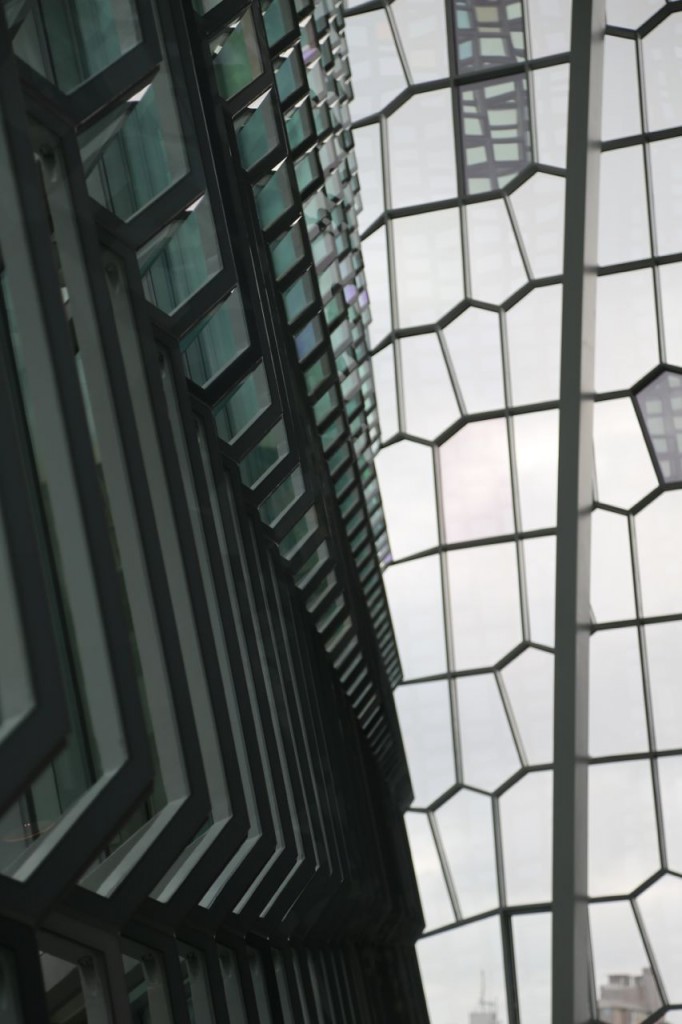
(660, 403)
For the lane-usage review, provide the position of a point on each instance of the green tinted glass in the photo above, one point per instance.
(181, 258)
(131, 157)
(243, 405)
(267, 453)
(216, 341)
(236, 57)
(71, 42)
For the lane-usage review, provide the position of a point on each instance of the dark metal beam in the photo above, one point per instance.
(571, 970)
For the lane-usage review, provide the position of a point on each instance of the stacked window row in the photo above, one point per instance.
(291, 144)
(144, 156)
(172, 731)
(147, 978)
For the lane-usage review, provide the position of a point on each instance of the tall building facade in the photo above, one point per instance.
(202, 777)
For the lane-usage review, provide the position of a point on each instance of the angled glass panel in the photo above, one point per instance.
(415, 598)
(429, 403)
(178, 261)
(548, 26)
(623, 468)
(660, 403)
(216, 341)
(423, 34)
(538, 206)
(626, 339)
(532, 936)
(426, 725)
(612, 594)
(659, 564)
(662, 76)
(660, 907)
(421, 150)
(495, 131)
(550, 94)
(536, 448)
(489, 754)
(428, 258)
(620, 961)
(405, 472)
(484, 604)
(623, 840)
(236, 56)
(617, 711)
(71, 43)
(465, 824)
(475, 348)
(526, 819)
(136, 154)
(378, 74)
(243, 405)
(476, 482)
(433, 891)
(451, 966)
(623, 216)
(529, 683)
(621, 112)
(496, 267)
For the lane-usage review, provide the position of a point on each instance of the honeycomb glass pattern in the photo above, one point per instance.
(467, 298)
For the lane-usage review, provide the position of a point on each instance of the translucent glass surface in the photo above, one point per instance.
(534, 346)
(371, 42)
(430, 406)
(489, 753)
(473, 342)
(485, 610)
(526, 814)
(465, 823)
(426, 725)
(496, 269)
(432, 888)
(451, 964)
(623, 218)
(476, 482)
(623, 842)
(532, 935)
(421, 149)
(660, 907)
(415, 597)
(529, 683)
(428, 259)
(405, 473)
(422, 29)
(626, 337)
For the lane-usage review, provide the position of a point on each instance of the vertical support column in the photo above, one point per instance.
(570, 957)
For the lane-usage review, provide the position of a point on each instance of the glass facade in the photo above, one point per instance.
(496, 443)
(341, 407)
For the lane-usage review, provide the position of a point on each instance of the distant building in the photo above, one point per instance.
(628, 999)
(484, 1015)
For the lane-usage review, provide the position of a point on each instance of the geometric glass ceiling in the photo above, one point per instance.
(460, 126)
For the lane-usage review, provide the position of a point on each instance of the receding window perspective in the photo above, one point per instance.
(340, 493)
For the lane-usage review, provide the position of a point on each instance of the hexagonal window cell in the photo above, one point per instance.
(660, 403)
(630, 13)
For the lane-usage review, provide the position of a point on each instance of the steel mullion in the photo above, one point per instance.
(571, 969)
